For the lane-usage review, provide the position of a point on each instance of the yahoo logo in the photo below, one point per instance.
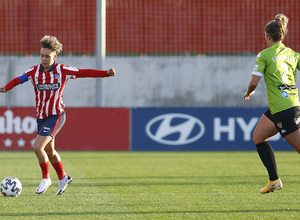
(10, 124)
(175, 129)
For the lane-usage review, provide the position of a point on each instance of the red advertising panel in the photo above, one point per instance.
(95, 129)
(17, 128)
(85, 129)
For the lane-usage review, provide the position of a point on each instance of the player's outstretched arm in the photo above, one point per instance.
(16, 81)
(83, 73)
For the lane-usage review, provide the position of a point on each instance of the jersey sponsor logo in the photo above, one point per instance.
(48, 87)
(284, 94)
(175, 129)
(284, 87)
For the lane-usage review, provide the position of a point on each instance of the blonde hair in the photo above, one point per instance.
(277, 29)
(51, 43)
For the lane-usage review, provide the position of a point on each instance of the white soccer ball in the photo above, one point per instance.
(11, 187)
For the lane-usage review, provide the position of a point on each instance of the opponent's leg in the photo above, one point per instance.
(294, 140)
(263, 131)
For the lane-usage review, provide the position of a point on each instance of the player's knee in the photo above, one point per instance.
(256, 139)
(37, 147)
(49, 151)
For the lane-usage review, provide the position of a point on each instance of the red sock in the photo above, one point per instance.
(45, 170)
(59, 168)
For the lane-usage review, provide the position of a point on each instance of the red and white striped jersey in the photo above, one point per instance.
(49, 86)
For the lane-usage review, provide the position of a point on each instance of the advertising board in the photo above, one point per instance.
(85, 129)
(197, 129)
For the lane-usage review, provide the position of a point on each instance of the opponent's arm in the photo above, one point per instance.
(82, 73)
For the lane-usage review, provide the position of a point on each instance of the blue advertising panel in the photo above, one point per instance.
(197, 129)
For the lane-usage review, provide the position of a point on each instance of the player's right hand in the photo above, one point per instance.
(247, 96)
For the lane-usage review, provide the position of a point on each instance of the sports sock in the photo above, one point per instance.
(45, 170)
(266, 154)
(59, 168)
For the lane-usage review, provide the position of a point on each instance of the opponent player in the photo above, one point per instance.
(278, 65)
(49, 79)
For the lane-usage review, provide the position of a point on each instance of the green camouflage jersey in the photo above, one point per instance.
(278, 64)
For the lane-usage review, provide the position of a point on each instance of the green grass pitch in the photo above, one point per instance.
(154, 185)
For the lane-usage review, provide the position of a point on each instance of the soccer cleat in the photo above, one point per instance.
(63, 183)
(271, 186)
(45, 183)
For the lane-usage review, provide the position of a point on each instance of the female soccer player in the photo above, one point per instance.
(49, 79)
(278, 64)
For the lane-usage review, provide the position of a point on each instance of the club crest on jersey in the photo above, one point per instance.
(56, 76)
(48, 87)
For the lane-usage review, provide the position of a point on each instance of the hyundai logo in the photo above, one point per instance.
(175, 129)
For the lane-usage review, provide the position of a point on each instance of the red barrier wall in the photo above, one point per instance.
(85, 129)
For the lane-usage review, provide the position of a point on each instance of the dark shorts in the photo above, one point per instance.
(51, 125)
(287, 121)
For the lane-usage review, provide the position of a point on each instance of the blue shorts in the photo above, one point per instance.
(51, 125)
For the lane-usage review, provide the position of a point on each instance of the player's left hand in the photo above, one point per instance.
(111, 72)
(2, 89)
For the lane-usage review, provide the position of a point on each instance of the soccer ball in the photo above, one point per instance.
(11, 187)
